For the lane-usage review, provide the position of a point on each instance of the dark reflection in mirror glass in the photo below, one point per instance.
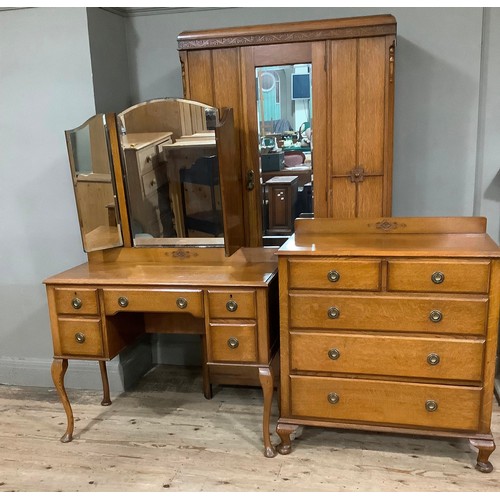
(284, 116)
(172, 173)
(92, 173)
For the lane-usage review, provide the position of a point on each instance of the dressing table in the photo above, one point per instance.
(146, 271)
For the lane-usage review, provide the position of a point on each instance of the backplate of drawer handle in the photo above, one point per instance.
(435, 316)
(333, 398)
(334, 354)
(76, 303)
(433, 359)
(333, 276)
(122, 301)
(333, 313)
(431, 405)
(80, 337)
(231, 305)
(233, 343)
(437, 277)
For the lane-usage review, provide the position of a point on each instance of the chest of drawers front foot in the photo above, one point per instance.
(485, 448)
(285, 431)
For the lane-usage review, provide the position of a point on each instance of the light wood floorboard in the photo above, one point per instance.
(164, 436)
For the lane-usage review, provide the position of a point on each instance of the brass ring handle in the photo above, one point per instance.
(433, 359)
(231, 305)
(122, 301)
(333, 313)
(181, 303)
(437, 277)
(436, 316)
(233, 342)
(431, 405)
(333, 398)
(333, 276)
(76, 303)
(334, 354)
(80, 337)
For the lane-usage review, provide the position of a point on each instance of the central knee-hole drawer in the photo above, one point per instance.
(153, 300)
(80, 337)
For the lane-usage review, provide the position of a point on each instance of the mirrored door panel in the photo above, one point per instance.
(284, 121)
(91, 168)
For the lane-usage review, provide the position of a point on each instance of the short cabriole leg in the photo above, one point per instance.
(267, 383)
(106, 399)
(58, 370)
(284, 431)
(485, 448)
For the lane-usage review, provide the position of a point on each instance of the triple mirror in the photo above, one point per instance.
(176, 168)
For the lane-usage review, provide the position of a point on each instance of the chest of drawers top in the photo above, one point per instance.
(392, 237)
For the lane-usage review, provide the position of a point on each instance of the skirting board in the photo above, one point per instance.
(123, 371)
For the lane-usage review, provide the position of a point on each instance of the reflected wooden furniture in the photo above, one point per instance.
(353, 66)
(400, 332)
(98, 308)
(281, 195)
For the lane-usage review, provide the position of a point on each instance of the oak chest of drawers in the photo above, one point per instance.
(390, 325)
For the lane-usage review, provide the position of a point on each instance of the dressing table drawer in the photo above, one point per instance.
(389, 355)
(396, 313)
(397, 403)
(230, 342)
(334, 274)
(153, 300)
(80, 337)
(438, 276)
(232, 304)
(76, 300)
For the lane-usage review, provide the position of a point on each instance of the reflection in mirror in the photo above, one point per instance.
(284, 115)
(172, 173)
(91, 168)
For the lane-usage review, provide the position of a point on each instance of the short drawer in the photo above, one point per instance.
(231, 304)
(386, 403)
(441, 276)
(153, 300)
(415, 357)
(76, 300)
(152, 181)
(233, 343)
(334, 274)
(80, 337)
(147, 159)
(389, 313)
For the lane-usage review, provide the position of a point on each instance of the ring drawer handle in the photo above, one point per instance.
(334, 354)
(431, 405)
(231, 305)
(433, 359)
(233, 343)
(333, 313)
(122, 301)
(181, 303)
(80, 337)
(333, 276)
(437, 277)
(76, 303)
(333, 398)
(436, 316)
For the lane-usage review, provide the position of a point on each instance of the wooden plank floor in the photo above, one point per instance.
(164, 436)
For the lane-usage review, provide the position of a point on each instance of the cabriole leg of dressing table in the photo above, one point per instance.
(267, 383)
(106, 399)
(58, 370)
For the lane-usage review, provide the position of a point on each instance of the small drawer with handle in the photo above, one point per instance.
(76, 300)
(232, 304)
(153, 300)
(80, 337)
(334, 274)
(440, 275)
(237, 343)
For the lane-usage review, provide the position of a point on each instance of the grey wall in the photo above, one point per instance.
(53, 75)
